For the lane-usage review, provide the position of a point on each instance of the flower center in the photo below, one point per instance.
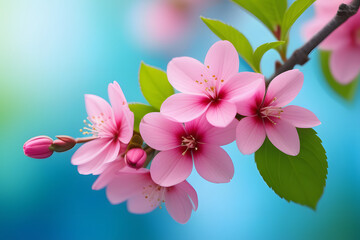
(271, 111)
(154, 194)
(95, 125)
(190, 143)
(210, 84)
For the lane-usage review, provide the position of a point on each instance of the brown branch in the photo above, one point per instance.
(300, 56)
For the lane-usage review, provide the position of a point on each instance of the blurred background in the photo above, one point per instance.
(52, 52)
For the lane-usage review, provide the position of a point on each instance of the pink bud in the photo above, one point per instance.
(38, 147)
(63, 143)
(135, 158)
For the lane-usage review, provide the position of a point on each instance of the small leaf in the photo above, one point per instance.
(300, 178)
(269, 12)
(140, 110)
(345, 91)
(292, 14)
(227, 32)
(260, 51)
(154, 85)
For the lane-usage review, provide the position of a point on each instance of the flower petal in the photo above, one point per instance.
(96, 106)
(183, 72)
(171, 167)
(127, 185)
(186, 187)
(178, 204)
(344, 64)
(242, 85)
(109, 174)
(284, 136)
(250, 135)
(161, 133)
(184, 107)
(95, 166)
(213, 164)
(204, 132)
(223, 60)
(300, 117)
(221, 113)
(140, 205)
(284, 88)
(249, 105)
(90, 150)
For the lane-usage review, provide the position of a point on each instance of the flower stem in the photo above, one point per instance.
(85, 139)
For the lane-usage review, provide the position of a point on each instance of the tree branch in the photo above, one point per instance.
(300, 56)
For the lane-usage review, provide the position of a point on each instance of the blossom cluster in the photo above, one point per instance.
(215, 105)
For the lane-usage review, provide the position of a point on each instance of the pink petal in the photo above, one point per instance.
(95, 166)
(206, 133)
(184, 107)
(171, 167)
(123, 116)
(242, 85)
(178, 204)
(249, 105)
(250, 135)
(345, 64)
(96, 106)
(213, 164)
(284, 88)
(183, 72)
(284, 136)
(221, 113)
(90, 150)
(223, 60)
(161, 133)
(190, 191)
(127, 185)
(300, 117)
(108, 174)
(140, 205)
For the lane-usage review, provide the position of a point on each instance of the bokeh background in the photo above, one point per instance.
(52, 52)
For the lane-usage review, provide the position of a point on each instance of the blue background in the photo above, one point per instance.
(52, 52)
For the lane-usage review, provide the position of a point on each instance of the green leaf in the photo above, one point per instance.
(300, 178)
(260, 51)
(227, 32)
(140, 110)
(269, 12)
(345, 91)
(154, 85)
(292, 14)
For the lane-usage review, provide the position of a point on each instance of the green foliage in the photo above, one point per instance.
(292, 14)
(300, 178)
(140, 110)
(260, 51)
(269, 12)
(154, 85)
(227, 32)
(345, 91)
(240, 42)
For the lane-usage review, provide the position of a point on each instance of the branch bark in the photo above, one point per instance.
(301, 55)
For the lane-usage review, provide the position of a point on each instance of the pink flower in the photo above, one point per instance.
(136, 157)
(181, 144)
(213, 88)
(112, 127)
(143, 195)
(267, 116)
(344, 42)
(38, 147)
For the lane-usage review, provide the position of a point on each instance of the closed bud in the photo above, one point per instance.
(63, 143)
(38, 147)
(135, 158)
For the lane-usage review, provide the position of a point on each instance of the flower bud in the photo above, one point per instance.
(38, 147)
(135, 158)
(63, 143)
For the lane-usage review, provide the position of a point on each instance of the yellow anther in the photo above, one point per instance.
(222, 80)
